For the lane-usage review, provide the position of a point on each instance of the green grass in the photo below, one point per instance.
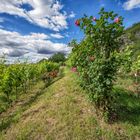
(63, 111)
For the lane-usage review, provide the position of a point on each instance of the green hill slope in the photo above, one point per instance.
(132, 36)
(134, 31)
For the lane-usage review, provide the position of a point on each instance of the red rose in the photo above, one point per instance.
(77, 22)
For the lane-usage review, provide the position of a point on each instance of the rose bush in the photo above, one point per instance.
(95, 58)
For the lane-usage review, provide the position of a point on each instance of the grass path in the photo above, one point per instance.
(60, 112)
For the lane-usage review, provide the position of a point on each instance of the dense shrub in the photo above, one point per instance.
(96, 60)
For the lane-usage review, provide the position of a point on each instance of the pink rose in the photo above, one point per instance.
(74, 69)
(116, 20)
(94, 19)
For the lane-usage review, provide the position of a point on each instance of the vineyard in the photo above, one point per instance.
(16, 79)
(93, 93)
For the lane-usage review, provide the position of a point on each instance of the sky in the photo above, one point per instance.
(36, 29)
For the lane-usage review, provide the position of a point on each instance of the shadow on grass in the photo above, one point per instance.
(34, 98)
(5, 122)
(3, 99)
(128, 106)
(132, 77)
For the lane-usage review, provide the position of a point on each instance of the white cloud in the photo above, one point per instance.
(72, 15)
(35, 45)
(57, 35)
(44, 13)
(37, 36)
(131, 4)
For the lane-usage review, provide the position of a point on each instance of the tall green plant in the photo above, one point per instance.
(95, 57)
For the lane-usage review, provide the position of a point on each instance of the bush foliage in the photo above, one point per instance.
(95, 57)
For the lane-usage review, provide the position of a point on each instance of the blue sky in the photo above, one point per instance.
(37, 29)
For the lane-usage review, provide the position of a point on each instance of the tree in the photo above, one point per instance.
(58, 57)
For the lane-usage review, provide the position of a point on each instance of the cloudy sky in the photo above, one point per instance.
(36, 29)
